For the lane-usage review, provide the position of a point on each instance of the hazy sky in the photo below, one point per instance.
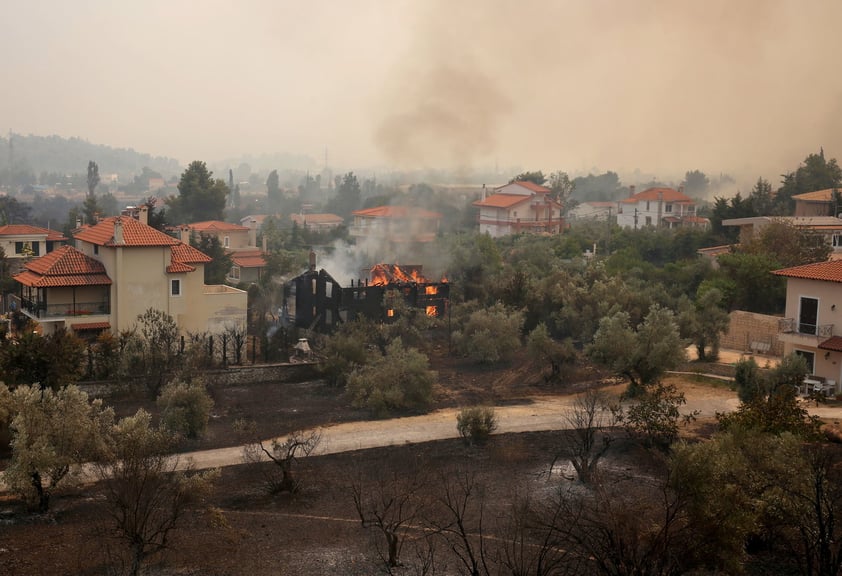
(748, 86)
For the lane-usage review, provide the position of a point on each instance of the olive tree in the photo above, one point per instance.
(146, 492)
(53, 433)
(185, 408)
(642, 354)
(400, 379)
(490, 335)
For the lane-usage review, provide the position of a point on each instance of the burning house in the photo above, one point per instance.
(316, 301)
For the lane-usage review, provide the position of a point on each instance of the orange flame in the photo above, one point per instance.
(383, 274)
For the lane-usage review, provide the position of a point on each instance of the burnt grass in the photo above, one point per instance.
(243, 529)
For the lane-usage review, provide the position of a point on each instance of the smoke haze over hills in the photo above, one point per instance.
(744, 87)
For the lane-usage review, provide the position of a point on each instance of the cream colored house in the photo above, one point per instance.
(396, 224)
(22, 241)
(659, 208)
(119, 268)
(812, 326)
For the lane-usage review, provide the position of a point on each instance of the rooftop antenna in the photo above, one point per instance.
(11, 155)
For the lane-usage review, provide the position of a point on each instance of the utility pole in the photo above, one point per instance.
(635, 218)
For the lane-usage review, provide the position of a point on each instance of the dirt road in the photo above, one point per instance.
(543, 413)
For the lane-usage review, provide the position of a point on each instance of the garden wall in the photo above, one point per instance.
(756, 333)
(231, 376)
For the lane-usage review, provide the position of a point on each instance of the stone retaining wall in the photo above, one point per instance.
(747, 330)
(231, 376)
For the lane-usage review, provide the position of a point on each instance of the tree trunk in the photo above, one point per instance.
(43, 495)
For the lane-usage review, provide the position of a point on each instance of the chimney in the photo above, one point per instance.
(253, 232)
(78, 221)
(483, 191)
(143, 215)
(631, 190)
(312, 261)
(681, 189)
(118, 230)
(185, 234)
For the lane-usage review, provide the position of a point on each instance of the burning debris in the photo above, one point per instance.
(315, 300)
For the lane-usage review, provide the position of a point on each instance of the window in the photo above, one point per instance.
(175, 287)
(808, 316)
(226, 241)
(668, 208)
(648, 220)
(27, 248)
(809, 357)
(328, 289)
(837, 240)
(647, 205)
(96, 248)
(235, 272)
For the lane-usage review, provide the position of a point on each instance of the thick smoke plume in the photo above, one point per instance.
(745, 87)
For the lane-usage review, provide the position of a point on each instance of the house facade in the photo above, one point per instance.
(22, 241)
(812, 326)
(818, 203)
(317, 222)
(827, 228)
(119, 268)
(519, 207)
(659, 208)
(396, 224)
(240, 243)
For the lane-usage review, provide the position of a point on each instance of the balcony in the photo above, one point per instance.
(795, 332)
(40, 310)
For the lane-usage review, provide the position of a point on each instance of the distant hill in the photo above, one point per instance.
(36, 154)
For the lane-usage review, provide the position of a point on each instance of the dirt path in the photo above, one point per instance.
(540, 414)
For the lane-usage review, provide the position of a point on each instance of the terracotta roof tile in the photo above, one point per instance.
(216, 226)
(398, 212)
(63, 267)
(833, 343)
(669, 195)
(248, 258)
(502, 200)
(27, 230)
(135, 233)
(830, 271)
(91, 326)
(175, 267)
(185, 253)
(529, 185)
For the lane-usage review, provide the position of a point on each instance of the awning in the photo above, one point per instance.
(833, 343)
(91, 326)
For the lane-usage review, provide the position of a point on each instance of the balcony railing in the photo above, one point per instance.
(39, 309)
(792, 326)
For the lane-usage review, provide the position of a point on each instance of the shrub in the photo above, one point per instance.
(476, 424)
(398, 380)
(185, 408)
(490, 335)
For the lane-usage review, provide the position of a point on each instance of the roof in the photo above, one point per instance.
(529, 185)
(216, 226)
(825, 195)
(176, 267)
(317, 218)
(830, 271)
(398, 212)
(66, 266)
(185, 253)
(135, 233)
(252, 258)
(665, 194)
(833, 343)
(502, 200)
(829, 222)
(91, 326)
(27, 230)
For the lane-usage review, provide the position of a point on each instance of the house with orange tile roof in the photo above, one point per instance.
(22, 241)
(519, 207)
(812, 323)
(240, 242)
(317, 222)
(819, 203)
(396, 224)
(119, 268)
(659, 208)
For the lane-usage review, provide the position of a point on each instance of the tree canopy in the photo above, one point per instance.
(200, 196)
